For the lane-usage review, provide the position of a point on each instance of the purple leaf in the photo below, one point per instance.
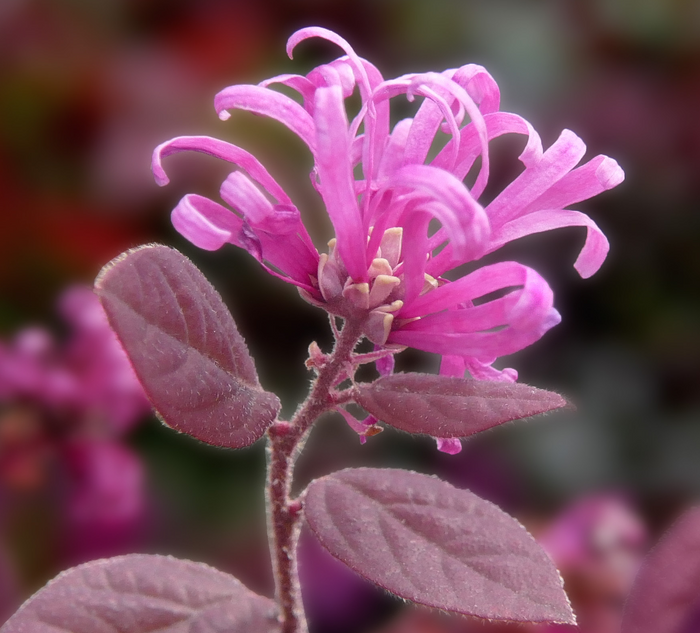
(185, 348)
(666, 593)
(426, 541)
(448, 406)
(140, 593)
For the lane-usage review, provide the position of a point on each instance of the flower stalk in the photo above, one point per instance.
(285, 440)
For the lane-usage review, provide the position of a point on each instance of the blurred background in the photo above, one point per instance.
(88, 89)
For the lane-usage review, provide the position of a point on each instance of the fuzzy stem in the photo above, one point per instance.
(284, 513)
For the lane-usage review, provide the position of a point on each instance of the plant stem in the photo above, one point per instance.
(284, 513)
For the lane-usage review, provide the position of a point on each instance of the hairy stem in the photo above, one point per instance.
(284, 513)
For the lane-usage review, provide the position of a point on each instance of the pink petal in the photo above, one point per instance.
(360, 426)
(269, 103)
(281, 220)
(393, 155)
(205, 223)
(297, 82)
(421, 136)
(464, 290)
(218, 149)
(414, 245)
(507, 341)
(452, 366)
(209, 225)
(376, 124)
(597, 175)
(449, 445)
(442, 92)
(527, 315)
(556, 162)
(336, 180)
(284, 244)
(522, 309)
(463, 218)
(338, 73)
(497, 124)
(239, 192)
(484, 371)
(592, 254)
(317, 31)
(480, 85)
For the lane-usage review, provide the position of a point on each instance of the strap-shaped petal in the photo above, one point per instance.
(497, 124)
(268, 103)
(506, 341)
(393, 155)
(286, 250)
(597, 175)
(209, 225)
(495, 328)
(480, 85)
(465, 290)
(442, 92)
(238, 191)
(205, 223)
(218, 149)
(317, 31)
(414, 243)
(462, 217)
(336, 179)
(296, 82)
(338, 73)
(556, 162)
(594, 250)
(282, 220)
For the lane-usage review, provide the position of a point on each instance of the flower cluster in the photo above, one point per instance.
(408, 218)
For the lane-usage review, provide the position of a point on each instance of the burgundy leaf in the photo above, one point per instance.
(141, 593)
(185, 348)
(666, 593)
(448, 406)
(426, 541)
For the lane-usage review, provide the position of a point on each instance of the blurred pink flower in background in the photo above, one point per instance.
(65, 410)
(597, 544)
(87, 378)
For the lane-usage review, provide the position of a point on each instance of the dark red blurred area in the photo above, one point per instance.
(88, 89)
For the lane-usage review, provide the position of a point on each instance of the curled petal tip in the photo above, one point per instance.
(159, 174)
(609, 173)
(160, 177)
(573, 141)
(553, 318)
(224, 115)
(301, 35)
(318, 31)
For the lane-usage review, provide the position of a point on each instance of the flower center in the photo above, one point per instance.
(377, 299)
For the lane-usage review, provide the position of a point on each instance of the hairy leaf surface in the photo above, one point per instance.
(185, 348)
(426, 541)
(141, 593)
(666, 593)
(447, 406)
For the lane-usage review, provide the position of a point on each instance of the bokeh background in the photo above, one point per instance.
(87, 89)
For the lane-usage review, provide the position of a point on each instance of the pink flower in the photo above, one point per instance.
(597, 543)
(384, 193)
(80, 398)
(89, 379)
